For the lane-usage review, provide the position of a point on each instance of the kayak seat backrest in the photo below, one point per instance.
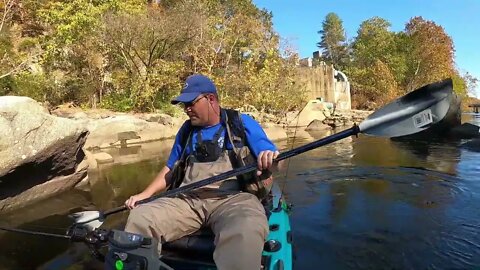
(200, 244)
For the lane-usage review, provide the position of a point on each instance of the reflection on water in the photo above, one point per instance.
(360, 203)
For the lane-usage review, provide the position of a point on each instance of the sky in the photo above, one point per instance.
(299, 21)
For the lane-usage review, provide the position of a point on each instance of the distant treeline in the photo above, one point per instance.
(382, 64)
(132, 55)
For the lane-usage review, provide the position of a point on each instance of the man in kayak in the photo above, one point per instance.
(203, 148)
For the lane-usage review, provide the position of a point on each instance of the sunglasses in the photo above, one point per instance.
(191, 104)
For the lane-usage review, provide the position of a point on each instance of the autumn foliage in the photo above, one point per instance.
(132, 55)
(383, 64)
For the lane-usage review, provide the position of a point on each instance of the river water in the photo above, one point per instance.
(360, 203)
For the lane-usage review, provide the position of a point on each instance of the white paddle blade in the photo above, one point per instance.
(412, 113)
(89, 219)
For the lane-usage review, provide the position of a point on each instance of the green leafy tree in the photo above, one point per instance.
(239, 49)
(271, 87)
(132, 55)
(459, 84)
(150, 51)
(373, 42)
(73, 52)
(373, 86)
(333, 41)
(18, 50)
(377, 64)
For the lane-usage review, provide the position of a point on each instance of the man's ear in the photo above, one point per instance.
(211, 98)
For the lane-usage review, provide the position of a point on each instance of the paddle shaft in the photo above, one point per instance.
(434, 97)
(243, 170)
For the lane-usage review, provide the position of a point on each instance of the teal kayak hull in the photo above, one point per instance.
(280, 257)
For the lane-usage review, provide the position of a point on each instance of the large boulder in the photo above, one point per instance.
(39, 153)
(465, 131)
(108, 132)
(472, 145)
(314, 110)
(317, 125)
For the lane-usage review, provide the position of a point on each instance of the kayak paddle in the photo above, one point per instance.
(412, 113)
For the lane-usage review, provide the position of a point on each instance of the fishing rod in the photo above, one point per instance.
(63, 236)
(94, 239)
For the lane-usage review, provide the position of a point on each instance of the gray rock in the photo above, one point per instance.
(337, 121)
(105, 132)
(317, 125)
(473, 145)
(35, 147)
(163, 119)
(44, 190)
(465, 131)
(314, 110)
(103, 158)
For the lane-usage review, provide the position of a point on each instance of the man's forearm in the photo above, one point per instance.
(159, 183)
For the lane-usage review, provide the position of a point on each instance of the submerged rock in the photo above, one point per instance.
(317, 125)
(473, 145)
(465, 131)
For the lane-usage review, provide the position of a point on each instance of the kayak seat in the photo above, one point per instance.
(199, 245)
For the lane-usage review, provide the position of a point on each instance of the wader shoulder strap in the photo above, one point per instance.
(241, 156)
(185, 139)
(236, 135)
(178, 170)
(237, 129)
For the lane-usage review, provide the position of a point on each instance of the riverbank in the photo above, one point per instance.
(114, 132)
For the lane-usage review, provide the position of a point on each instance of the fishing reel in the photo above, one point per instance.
(95, 240)
(125, 250)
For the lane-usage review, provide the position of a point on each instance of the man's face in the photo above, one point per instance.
(198, 110)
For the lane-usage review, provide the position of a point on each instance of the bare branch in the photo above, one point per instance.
(18, 67)
(8, 6)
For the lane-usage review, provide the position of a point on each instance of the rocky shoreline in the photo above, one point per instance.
(45, 152)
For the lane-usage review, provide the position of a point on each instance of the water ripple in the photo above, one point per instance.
(391, 217)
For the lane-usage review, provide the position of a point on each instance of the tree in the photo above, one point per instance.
(377, 64)
(239, 49)
(372, 87)
(17, 49)
(147, 56)
(8, 63)
(472, 83)
(332, 41)
(133, 54)
(7, 7)
(432, 56)
(72, 50)
(373, 42)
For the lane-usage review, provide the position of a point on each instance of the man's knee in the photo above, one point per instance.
(139, 220)
(239, 245)
(248, 227)
(254, 224)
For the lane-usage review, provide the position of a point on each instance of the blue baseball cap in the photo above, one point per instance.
(195, 85)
